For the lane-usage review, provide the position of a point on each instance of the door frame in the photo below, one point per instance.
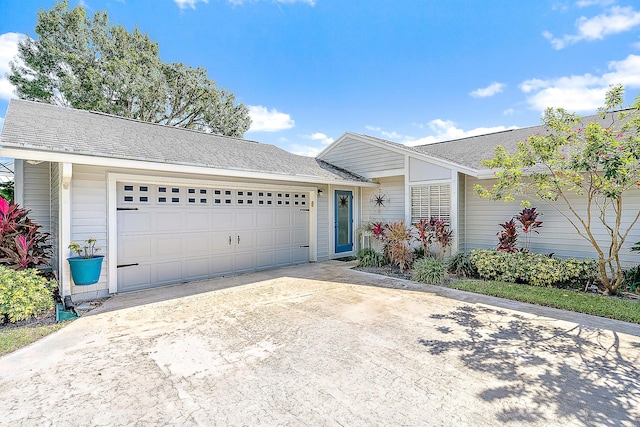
(348, 247)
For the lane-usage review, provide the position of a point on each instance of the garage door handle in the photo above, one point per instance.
(126, 209)
(229, 239)
(238, 239)
(127, 265)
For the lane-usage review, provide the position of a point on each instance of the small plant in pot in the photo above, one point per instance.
(86, 267)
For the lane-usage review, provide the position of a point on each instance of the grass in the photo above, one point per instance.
(12, 339)
(598, 305)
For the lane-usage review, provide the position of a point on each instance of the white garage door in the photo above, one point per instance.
(172, 234)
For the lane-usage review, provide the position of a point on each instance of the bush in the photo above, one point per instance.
(24, 294)
(461, 265)
(22, 245)
(429, 270)
(632, 278)
(533, 269)
(368, 257)
(397, 238)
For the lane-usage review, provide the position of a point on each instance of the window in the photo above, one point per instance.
(431, 200)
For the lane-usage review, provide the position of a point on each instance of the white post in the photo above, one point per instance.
(64, 227)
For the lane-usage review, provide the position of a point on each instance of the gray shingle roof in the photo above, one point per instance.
(470, 151)
(50, 128)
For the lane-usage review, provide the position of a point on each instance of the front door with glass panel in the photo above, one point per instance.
(343, 221)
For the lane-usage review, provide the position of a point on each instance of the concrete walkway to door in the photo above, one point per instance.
(320, 344)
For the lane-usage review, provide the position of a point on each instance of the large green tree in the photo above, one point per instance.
(85, 62)
(598, 162)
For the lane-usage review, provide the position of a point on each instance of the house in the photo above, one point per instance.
(170, 205)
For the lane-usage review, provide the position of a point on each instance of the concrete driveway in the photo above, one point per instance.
(322, 345)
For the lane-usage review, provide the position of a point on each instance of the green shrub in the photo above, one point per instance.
(24, 294)
(368, 257)
(533, 269)
(461, 265)
(429, 270)
(632, 278)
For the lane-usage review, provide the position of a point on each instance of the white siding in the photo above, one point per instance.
(55, 203)
(324, 224)
(423, 171)
(394, 188)
(556, 234)
(89, 219)
(36, 197)
(363, 158)
(461, 227)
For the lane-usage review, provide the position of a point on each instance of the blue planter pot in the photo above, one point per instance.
(85, 271)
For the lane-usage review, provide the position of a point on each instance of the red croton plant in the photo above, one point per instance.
(22, 245)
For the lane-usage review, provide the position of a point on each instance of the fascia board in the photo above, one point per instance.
(18, 153)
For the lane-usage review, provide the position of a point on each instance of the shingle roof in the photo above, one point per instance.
(50, 128)
(472, 150)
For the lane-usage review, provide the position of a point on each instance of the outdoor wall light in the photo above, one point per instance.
(319, 192)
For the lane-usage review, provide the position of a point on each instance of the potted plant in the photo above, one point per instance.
(85, 268)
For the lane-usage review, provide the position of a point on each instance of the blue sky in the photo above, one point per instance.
(411, 71)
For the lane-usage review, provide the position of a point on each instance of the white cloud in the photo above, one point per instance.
(321, 137)
(509, 112)
(446, 130)
(389, 135)
(443, 130)
(490, 90)
(585, 92)
(586, 3)
(616, 20)
(1, 122)
(183, 4)
(8, 49)
(263, 119)
(305, 150)
(241, 2)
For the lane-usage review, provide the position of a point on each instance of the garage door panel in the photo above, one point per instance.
(222, 220)
(168, 272)
(168, 246)
(134, 277)
(300, 237)
(264, 238)
(264, 259)
(283, 218)
(282, 237)
(169, 221)
(134, 222)
(198, 221)
(134, 248)
(197, 268)
(264, 218)
(206, 232)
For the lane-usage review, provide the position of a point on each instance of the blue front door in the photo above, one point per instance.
(343, 221)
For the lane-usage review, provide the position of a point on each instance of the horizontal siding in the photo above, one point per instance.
(361, 158)
(89, 219)
(556, 235)
(461, 228)
(55, 217)
(37, 190)
(393, 187)
(324, 227)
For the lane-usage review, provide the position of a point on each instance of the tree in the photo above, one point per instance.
(599, 164)
(84, 62)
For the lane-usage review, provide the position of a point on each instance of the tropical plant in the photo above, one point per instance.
(85, 62)
(7, 190)
(22, 245)
(368, 257)
(528, 220)
(461, 265)
(584, 171)
(424, 230)
(443, 236)
(429, 270)
(87, 250)
(24, 294)
(508, 237)
(397, 239)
